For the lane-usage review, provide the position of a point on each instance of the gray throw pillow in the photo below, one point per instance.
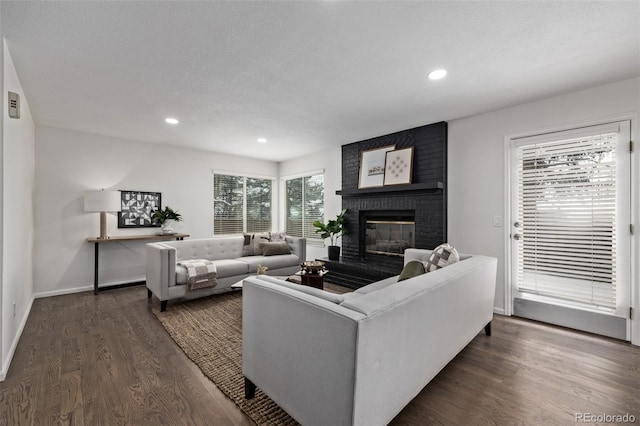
(411, 269)
(258, 239)
(274, 249)
(443, 255)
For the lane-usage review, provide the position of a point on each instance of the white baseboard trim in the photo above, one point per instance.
(103, 286)
(499, 311)
(63, 291)
(14, 344)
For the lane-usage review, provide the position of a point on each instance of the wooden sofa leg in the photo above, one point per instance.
(487, 329)
(163, 305)
(249, 389)
(149, 294)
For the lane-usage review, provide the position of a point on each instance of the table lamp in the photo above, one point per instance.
(103, 202)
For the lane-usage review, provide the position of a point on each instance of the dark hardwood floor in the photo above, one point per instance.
(104, 360)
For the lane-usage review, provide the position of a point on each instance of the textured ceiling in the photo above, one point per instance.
(305, 75)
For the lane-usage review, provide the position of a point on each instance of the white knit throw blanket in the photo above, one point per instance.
(201, 273)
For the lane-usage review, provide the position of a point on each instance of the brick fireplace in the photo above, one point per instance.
(423, 202)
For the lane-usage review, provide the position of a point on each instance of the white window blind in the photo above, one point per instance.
(304, 205)
(258, 195)
(241, 204)
(567, 213)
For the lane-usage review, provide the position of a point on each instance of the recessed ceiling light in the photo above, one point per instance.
(261, 140)
(171, 120)
(437, 74)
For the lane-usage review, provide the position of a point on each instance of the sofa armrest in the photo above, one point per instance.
(298, 246)
(160, 265)
(300, 350)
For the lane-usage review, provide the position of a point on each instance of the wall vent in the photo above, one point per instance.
(14, 105)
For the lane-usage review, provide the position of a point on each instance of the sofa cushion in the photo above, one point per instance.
(394, 296)
(331, 297)
(273, 262)
(224, 267)
(377, 285)
(411, 269)
(350, 296)
(443, 255)
(275, 248)
(217, 248)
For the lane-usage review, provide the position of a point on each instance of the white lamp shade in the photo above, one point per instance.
(102, 201)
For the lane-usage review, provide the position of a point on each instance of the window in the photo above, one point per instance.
(304, 205)
(241, 204)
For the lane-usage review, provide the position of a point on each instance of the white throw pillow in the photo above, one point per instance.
(277, 236)
(443, 255)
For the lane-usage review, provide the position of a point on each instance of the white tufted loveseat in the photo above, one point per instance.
(167, 281)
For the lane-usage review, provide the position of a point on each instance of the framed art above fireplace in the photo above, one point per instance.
(398, 167)
(372, 167)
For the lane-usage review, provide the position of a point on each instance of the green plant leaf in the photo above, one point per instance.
(161, 216)
(333, 229)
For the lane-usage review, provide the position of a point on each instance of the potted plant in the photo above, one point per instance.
(165, 218)
(333, 230)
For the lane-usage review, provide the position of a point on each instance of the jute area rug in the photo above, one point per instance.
(209, 331)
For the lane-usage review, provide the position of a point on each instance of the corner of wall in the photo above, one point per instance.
(17, 224)
(6, 362)
(2, 358)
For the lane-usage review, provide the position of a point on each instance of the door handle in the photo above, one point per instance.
(517, 236)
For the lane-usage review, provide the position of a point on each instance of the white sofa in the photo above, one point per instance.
(167, 281)
(359, 358)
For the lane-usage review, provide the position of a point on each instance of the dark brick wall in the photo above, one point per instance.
(430, 207)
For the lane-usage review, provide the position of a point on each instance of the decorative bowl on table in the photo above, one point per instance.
(312, 267)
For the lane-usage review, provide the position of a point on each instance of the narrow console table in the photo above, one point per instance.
(98, 241)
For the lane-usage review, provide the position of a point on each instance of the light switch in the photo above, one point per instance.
(497, 221)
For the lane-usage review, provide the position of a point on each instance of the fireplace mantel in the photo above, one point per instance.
(387, 190)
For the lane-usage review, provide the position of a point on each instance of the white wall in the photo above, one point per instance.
(477, 169)
(17, 217)
(3, 366)
(69, 162)
(331, 161)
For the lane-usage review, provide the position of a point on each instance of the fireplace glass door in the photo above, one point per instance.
(390, 238)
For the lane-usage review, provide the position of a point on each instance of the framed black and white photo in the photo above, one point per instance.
(398, 167)
(372, 167)
(137, 207)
